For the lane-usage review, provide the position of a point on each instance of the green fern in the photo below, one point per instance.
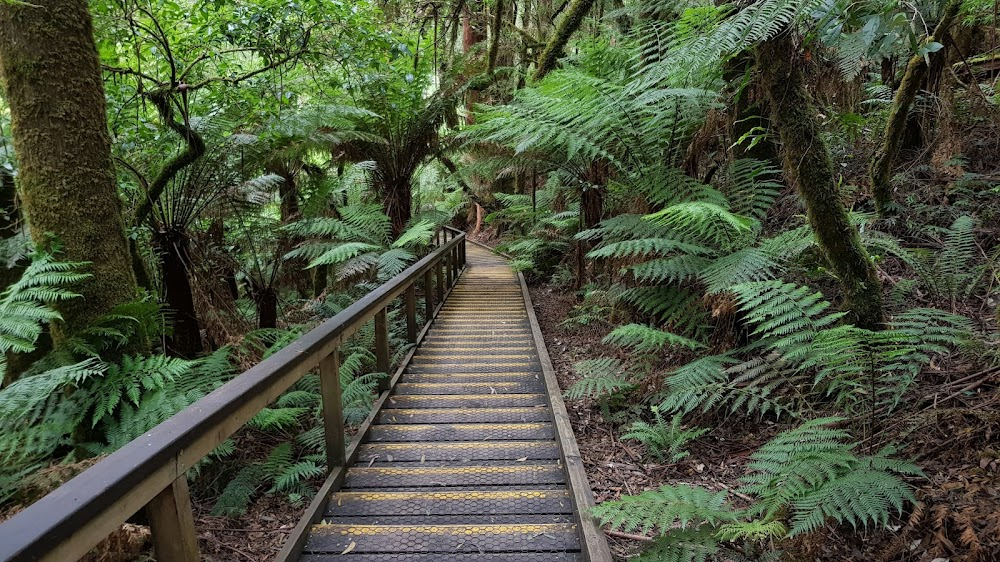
(644, 339)
(25, 306)
(664, 440)
(813, 472)
(600, 378)
(680, 506)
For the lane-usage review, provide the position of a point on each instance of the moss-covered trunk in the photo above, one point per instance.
(808, 166)
(52, 79)
(554, 49)
(895, 127)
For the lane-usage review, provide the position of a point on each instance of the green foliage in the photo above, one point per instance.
(669, 507)
(359, 244)
(812, 473)
(25, 306)
(955, 270)
(664, 440)
(797, 481)
(600, 378)
(281, 469)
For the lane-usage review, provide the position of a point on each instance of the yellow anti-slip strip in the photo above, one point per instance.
(461, 445)
(433, 385)
(456, 470)
(464, 397)
(438, 348)
(501, 529)
(469, 426)
(461, 411)
(458, 495)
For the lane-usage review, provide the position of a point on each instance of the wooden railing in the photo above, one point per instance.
(151, 471)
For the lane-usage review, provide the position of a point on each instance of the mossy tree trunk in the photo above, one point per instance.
(895, 127)
(808, 166)
(554, 49)
(52, 79)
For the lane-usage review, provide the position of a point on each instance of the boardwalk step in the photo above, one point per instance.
(462, 415)
(461, 432)
(472, 502)
(462, 378)
(436, 477)
(458, 451)
(475, 368)
(467, 401)
(494, 387)
(442, 539)
(470, 557)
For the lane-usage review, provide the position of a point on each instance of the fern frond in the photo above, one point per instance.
(644, 339)
(600, 377)
(666, 508)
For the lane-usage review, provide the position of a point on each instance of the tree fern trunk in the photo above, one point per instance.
(52, 79)
(892, 137)
(397, 200)
(175, 260)
(808, 166)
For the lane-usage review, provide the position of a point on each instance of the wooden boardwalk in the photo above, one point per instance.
(471, 457)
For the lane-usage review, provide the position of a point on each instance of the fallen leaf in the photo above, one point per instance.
(349, 548)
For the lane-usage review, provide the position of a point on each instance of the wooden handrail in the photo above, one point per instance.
(150, 471)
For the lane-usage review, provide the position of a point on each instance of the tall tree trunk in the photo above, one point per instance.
(175, 261)
(569, 24)
(808, 165)
(892, 137)
(497, 33)
(52, 79)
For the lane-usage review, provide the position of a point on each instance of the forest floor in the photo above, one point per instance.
(953, 435)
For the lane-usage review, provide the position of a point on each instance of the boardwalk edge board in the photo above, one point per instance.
(594, 541)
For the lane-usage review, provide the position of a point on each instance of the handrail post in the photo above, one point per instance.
(172, 524)
(411, 312)
(464, 257)
(382, 348)
(454, 263)
(428, 295)
(333, 411)
(439, 276)
(448, 268)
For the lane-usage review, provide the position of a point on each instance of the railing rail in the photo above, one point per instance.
(150, 471)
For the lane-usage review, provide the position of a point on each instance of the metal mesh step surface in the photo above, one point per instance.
(461, 432)
(459, 451)
(462, 378)
(468, 557)
(462, 415)
(496, 387)
(467, 400)
(474, 502)
(443, 539)
(496, 476)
